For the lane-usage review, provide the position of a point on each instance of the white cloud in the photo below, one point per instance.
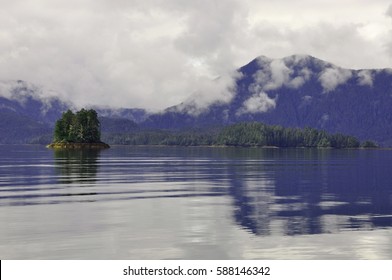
(275, 73)
(332, 77)
(21, 90)
(280, 75)
(300, 80)
(388, 43)
(156, 53)
(306, 101)
(325, 40)
(6, 89)
(365, 78)
(209, 91)
(297, 82)
(258, 103)
(389, 11)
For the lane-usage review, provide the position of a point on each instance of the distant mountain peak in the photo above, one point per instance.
(32, 101)
(263, 59)
(296, 91)
(21, 91)
(294, 71)
(295, 61)
(293, 91)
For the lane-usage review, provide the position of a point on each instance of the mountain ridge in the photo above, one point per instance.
(28, 114)
(299, 91)
(293, 91)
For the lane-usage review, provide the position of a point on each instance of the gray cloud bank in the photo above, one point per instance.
(154, 54)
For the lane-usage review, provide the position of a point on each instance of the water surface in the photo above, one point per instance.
(195, 203)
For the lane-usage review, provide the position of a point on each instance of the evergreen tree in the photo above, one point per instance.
(82, 127)
(369, 144)
(63, 127)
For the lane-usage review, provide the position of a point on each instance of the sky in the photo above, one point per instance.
(157, 53)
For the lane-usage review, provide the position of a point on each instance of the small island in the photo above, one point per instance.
(80, 130)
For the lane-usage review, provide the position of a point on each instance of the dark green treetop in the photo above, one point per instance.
(369, 144)
(80, 127)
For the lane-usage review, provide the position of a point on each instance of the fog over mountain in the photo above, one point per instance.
(28, 112)
(294, 91)
(155, 53)
(297, 91)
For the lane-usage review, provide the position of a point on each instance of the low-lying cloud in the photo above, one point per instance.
(275, 73)
(365, 78)
(155, 54)
(332, 77)
(258, 103)
(220, 90)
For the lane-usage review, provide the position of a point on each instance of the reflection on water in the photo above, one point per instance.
(76, 165)
(311, 193)
(153, 202)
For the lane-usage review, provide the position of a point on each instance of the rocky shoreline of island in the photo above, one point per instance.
(63, 145)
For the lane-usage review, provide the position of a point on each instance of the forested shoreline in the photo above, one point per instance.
(83, 127)
(254, 134)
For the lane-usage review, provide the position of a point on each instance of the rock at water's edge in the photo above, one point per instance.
(78, 146)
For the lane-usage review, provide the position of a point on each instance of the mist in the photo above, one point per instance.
(155, 54)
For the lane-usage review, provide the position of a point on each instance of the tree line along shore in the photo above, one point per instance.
(253, 134)
(82, 130)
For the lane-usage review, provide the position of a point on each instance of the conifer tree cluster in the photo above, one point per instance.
(80, 127)
(259, 134)
(251, 134)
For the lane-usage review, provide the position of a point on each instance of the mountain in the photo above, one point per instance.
(28, 100)
(297, 91)
(136, 115)
(28, 114)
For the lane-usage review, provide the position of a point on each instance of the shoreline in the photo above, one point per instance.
(100, 145)
(250, 147)
(106, 146)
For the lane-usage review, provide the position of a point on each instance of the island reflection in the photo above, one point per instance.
(76, 165)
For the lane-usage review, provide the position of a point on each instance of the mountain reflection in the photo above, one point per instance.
(273, 191)
(309, 194)
(76, 166)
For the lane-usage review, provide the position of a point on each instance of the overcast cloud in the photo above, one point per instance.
(158, 53)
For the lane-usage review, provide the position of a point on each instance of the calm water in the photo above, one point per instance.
(195, 203)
